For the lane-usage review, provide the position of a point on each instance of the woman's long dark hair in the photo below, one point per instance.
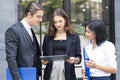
(98, 27)
(52, 29)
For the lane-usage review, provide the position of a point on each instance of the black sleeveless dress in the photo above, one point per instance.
(58, 71)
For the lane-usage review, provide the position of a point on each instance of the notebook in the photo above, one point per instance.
(54, 57)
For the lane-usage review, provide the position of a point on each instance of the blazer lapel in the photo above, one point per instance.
(26, 34)
(68, 44)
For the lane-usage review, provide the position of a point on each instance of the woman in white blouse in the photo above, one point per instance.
(101, 53)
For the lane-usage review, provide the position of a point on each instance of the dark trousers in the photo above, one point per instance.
(100, 78)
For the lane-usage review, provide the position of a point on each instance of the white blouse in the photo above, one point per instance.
(27, 27)
(103, 55)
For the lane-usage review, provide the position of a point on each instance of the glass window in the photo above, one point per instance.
(85, 10)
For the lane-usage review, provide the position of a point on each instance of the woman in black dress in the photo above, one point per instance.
(61, 39)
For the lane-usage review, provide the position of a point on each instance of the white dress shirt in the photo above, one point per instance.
(27, 27)
(103, 55)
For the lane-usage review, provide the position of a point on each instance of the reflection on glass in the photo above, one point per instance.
(85, 10)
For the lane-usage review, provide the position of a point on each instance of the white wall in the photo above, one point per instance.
(8, 16)
(117, 35)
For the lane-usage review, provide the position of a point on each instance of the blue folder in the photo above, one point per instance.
(25, 73)
(87, 70)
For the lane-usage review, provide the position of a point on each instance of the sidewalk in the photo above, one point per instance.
(3, 63)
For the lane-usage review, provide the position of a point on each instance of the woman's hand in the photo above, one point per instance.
(73, 60)
(83, 74)
(91, 64)
(44, 62)
(108, 69)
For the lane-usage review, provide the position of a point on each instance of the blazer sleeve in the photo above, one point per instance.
(77, 47)
(45, 46)
(11, 42)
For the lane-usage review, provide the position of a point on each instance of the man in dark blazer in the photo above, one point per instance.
(22, 48)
